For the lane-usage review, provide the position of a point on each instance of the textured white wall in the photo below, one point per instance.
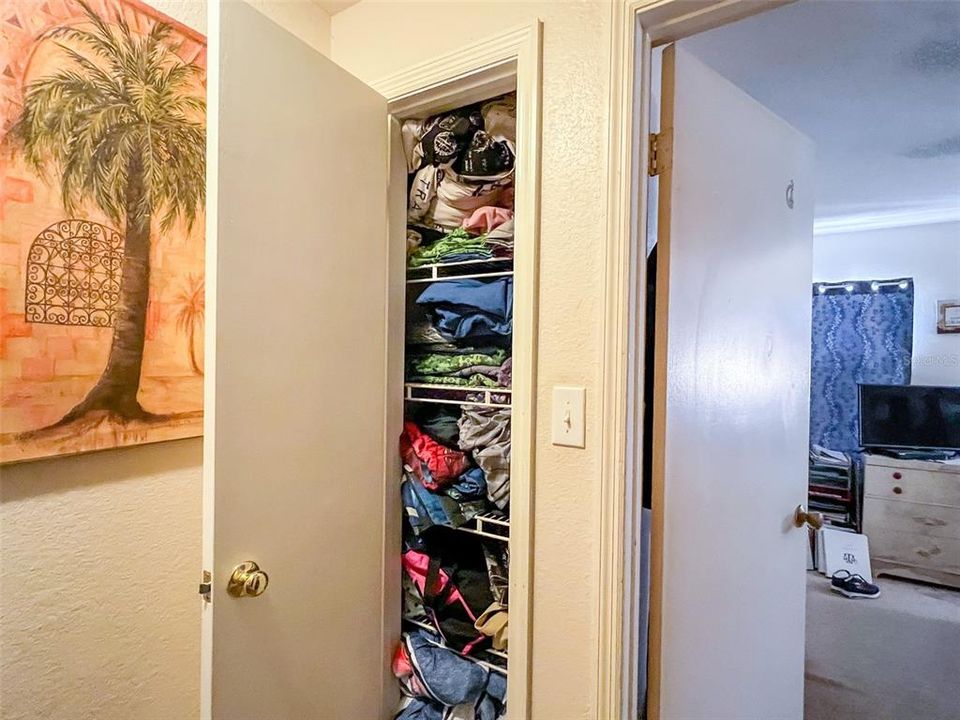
(100, 554)
(303, 18)
(98, 583)
(374, 39)
(930, 254)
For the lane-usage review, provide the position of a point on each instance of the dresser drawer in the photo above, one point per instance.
(913, 549)
(928, 520)
(912, 486)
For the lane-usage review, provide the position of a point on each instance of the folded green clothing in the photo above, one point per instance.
(445, 363)
(456, 242)
(478, 380)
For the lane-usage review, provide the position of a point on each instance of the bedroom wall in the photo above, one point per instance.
(100, 554)
(375, 39)
(930, 254)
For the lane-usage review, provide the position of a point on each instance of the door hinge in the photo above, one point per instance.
(658, 157)
(206, 585)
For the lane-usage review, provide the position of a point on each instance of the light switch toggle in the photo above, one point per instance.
(568, 416)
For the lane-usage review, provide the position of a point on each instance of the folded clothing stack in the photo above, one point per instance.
(464, 368)
(470, 309)
(495, 224)
(440, 486)
(454, 464)
(461, 161)
(455, 246)
(485, 432)
(486, 234)
(457, 334)
(439, 683)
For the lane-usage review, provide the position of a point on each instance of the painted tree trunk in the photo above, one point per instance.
(193, 349)
(116, 390)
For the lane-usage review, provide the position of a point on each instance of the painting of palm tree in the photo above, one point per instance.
(190, 306)
(119, 126)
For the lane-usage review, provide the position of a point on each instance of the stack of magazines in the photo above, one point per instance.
(832, 487)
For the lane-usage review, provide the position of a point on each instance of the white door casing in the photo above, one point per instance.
(731, 403)
(295, 448)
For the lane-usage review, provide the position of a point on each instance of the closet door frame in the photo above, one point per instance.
(496, 65)
(637, 26)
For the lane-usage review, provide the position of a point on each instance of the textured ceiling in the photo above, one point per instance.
(876, 85)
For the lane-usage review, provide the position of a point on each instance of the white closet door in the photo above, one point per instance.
(731, 419)
(296, 404)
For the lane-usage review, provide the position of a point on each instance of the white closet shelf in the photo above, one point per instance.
(423, 622)
(463, 270)
(457, 395)
(492, 524)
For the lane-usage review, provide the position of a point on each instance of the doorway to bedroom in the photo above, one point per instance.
(867, 94)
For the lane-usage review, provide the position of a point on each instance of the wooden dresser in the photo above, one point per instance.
(911, 515)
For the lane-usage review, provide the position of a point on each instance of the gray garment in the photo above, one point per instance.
(492, 371)
(486, 432)
(500, 118)
(420, 331)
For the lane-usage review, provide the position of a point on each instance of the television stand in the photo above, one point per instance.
(907, 454)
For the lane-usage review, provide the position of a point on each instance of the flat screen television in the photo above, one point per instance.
(915, 417)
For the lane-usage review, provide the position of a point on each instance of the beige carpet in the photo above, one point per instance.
(893, 658)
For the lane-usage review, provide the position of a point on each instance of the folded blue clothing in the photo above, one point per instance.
(469, 486)
(464, 256)
(462, 309)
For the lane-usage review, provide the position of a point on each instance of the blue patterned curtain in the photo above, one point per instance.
(862, 333)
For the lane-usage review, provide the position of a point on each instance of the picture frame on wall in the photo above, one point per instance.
(102, 252)
(948, 316)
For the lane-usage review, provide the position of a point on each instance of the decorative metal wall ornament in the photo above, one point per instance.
(74, 270)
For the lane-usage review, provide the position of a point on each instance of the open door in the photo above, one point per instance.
(296, 404)
(731, 403)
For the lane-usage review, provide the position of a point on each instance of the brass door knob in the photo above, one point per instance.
(801, 517)
(247, 580)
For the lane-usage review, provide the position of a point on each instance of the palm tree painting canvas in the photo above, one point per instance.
(101, 227)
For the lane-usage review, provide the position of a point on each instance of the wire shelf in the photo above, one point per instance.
(492, 524)
(423, 622)
(463, 270)
(455, 395)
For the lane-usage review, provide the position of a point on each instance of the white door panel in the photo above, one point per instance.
(296, 443)
(732, 410)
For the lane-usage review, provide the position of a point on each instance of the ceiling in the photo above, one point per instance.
(332, 7)
(876, 85)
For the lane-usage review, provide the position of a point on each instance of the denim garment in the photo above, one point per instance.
(425, 509)
(463, 309)
(453, 679)
(469, 486)
(420, 709)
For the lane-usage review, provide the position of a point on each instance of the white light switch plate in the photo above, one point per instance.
(568, 416)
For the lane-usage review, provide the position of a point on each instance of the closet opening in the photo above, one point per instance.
(455, 480)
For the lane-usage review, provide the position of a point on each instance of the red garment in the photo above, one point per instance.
(403, 669)
(443, 465)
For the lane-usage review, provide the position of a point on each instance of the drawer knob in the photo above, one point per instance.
(897, 476)
(897, 489)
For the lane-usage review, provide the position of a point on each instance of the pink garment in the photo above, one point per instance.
(486, 218)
